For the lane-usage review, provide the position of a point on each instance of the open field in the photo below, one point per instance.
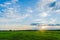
(29, 35)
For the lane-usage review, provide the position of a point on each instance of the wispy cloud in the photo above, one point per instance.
(11, 13)
(15, 11)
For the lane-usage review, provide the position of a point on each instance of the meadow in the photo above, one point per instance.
(30, 35)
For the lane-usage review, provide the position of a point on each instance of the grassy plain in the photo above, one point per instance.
(30, 35)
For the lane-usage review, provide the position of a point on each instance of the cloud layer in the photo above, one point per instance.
(16, 12)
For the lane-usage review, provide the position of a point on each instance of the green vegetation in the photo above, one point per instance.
(29, 35)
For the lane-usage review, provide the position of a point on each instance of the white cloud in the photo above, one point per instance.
(52, 21)
(14, 1)
(57, 11)
(2, 5)
(42, 5)
(41, 20)
(44, 11)
(29, 10)
(7, 3)
(44, 14)
(12, 13)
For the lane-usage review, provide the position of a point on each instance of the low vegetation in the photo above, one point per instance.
(30, 35)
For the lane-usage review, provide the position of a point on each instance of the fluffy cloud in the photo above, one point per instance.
(41, 14)
(11, 16)
(52, 21)
(12, 12)
(44, 14)
(29, 10)
(14, 1)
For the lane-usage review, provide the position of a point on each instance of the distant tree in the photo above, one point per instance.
(10, 30)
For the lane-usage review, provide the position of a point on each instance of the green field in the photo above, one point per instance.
(29, 35)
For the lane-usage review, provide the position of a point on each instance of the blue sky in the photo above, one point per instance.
(16, 13)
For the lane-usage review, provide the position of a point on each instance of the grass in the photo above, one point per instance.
(30, 35)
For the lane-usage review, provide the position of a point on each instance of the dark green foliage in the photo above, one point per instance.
(29, 35)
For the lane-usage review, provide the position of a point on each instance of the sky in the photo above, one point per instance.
(19, 14)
